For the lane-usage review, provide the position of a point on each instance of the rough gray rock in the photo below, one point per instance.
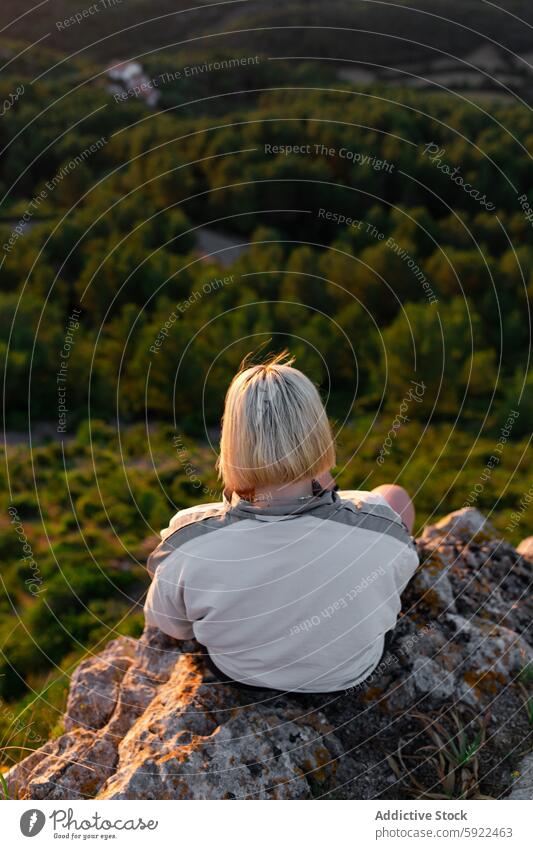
(146, 719)
(523, 784)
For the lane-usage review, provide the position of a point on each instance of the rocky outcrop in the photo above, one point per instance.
(146, 719)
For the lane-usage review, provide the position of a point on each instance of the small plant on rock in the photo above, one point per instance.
(446, 768)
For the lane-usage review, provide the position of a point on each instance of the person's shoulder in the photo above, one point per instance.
(365, 501)
(190, 515)
(186, 525)
(372, 511)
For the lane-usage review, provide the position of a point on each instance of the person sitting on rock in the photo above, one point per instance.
(288, 583)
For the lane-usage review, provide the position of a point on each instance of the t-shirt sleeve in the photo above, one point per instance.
(406, 561)
(188, 515)
(180, 520)
(165, 605)
(405, 565)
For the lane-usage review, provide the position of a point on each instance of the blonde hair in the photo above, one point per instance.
(275, 429)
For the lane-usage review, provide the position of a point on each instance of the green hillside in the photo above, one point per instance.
(382, 234)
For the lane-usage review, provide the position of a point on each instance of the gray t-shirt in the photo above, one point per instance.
(296, 596)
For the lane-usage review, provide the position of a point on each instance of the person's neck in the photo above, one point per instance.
(284, 491)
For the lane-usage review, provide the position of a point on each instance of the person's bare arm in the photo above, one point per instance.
(400, 501)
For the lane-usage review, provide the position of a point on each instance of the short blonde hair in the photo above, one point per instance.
(275, 429)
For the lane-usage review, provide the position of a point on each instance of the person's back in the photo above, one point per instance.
(288, 585)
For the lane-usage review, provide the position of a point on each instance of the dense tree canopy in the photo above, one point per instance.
(360, 250)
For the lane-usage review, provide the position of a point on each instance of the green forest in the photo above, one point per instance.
(384, 237)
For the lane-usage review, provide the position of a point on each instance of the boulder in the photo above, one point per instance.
(147, 719)
(523, 779)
